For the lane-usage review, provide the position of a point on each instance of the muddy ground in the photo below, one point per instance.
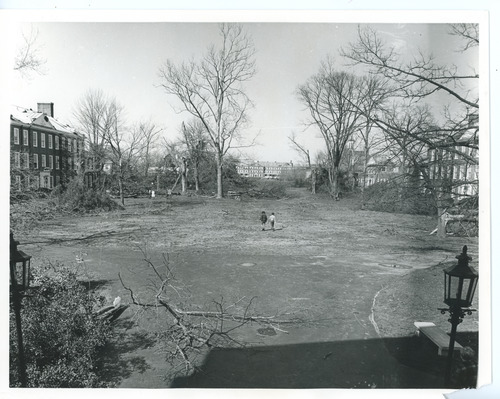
(357, 281)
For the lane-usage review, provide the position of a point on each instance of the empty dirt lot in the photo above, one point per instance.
(356, 279)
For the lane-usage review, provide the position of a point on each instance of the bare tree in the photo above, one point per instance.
(179, 156)
(304, 153)
(195, 140)
(28, 59)
(329, 96)
(149, 132)
(122, 144)
(91, 113)
(101, 118)
(212, 89)
(374, 94)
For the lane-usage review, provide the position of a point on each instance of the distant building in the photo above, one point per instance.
(44, 151)
(264, 170)
(455, 160)
(380, 169)
(458, 161)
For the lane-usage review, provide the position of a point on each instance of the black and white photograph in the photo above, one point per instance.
(248, 202)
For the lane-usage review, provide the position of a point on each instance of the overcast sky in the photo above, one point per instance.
(122, 59)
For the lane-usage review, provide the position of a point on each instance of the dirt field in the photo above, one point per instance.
(359, 278)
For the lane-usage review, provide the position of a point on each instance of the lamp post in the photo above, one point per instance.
(19, 282)
(460, 282)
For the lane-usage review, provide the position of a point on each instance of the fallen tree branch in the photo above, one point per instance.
(235, 317)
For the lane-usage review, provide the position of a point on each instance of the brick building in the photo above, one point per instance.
(44, 151)
(458, 161)
(264, 170)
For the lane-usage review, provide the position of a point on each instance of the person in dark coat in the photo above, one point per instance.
(263, 220)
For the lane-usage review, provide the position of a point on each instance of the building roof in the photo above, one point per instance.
(29, 117)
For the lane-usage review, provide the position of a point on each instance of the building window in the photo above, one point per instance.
(57, 162)
(44, 161)
(57, 142)
(17, 160)
(74, 144)
(16, 135)
(42, 139)
(35, 139)
(51, 160)
(50, 141)
(26, 161)
(69, 144)
(35, 161)
(25, 137)
(18, 182)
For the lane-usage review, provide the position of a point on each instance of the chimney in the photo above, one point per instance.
(46, 108)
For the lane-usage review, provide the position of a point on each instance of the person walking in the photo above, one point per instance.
(263, 219)
(272, 220)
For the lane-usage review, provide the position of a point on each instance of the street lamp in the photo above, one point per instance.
(19, 266)
(19, 281)
(460, 282)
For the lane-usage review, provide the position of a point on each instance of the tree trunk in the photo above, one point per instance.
(183, 170)
(365, 173)
(120, 186)
(183, 183)
(219, 177)
(331, 181)
(441, 227)
(313, 180)
(196, 179)
(335, 182)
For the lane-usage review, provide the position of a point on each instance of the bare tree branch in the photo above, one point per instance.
(28, 58)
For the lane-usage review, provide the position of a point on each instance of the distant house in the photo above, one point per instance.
(44, 151)
(380, 169)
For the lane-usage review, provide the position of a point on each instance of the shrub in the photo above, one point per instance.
(395, 196)
(62, 335)
(296, 177)
(268, 188)
(79, 198)
(26, 215)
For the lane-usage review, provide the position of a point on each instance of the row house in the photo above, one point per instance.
(44, 151)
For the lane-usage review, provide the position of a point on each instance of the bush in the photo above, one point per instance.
(26, 215)
(268, 188)
(78, 198)
(62, 335)
(297, 178)
(394, 196)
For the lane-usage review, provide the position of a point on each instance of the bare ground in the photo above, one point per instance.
(356, 276)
